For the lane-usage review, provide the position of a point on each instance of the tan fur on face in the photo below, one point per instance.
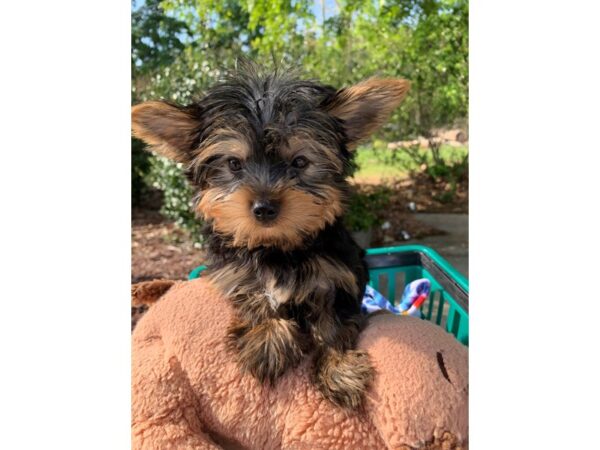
(301, 215)
(366, 106)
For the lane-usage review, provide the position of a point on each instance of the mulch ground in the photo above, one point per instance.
(159, 249)
(432, 196)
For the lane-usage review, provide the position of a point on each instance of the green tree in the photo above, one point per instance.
(156, 42)
(156, 38)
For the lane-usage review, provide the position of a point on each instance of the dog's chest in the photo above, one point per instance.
(276, 294)
(258, 286)
(316, 280)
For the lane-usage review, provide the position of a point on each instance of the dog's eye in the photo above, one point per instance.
(299, 162)
(234, 164)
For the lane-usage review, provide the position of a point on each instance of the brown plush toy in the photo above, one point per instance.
(188, 392)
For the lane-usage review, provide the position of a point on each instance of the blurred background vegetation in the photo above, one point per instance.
(181, 47)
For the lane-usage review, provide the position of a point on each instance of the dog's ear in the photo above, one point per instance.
(170, 130)
(366, 106)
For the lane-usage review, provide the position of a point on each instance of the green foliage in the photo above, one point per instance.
(451, 172)
(177, 194)
(156, 42)
(364, 210)
(156, 39)
(425, 41)
(140, 164)
(444, 169)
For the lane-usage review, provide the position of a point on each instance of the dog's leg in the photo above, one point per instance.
(267, 349)
(343, 377)
(341, 373)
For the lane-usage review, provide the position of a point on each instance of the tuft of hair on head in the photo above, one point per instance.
(170, 130)
(366, 106)
(173, 131)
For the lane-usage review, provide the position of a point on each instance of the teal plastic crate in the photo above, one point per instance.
(391, 268)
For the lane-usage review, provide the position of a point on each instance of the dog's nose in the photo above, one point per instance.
(265, 210)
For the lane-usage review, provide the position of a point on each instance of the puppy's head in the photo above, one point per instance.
(269, 153)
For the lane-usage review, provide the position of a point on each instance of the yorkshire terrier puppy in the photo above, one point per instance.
(269, 155)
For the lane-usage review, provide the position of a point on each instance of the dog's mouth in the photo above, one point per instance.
(272, 224)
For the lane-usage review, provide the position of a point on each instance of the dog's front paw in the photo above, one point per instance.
(268, 349)
(343, 377)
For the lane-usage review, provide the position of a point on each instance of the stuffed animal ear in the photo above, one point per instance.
(149, 292)
(168, 129)
(366, 106)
